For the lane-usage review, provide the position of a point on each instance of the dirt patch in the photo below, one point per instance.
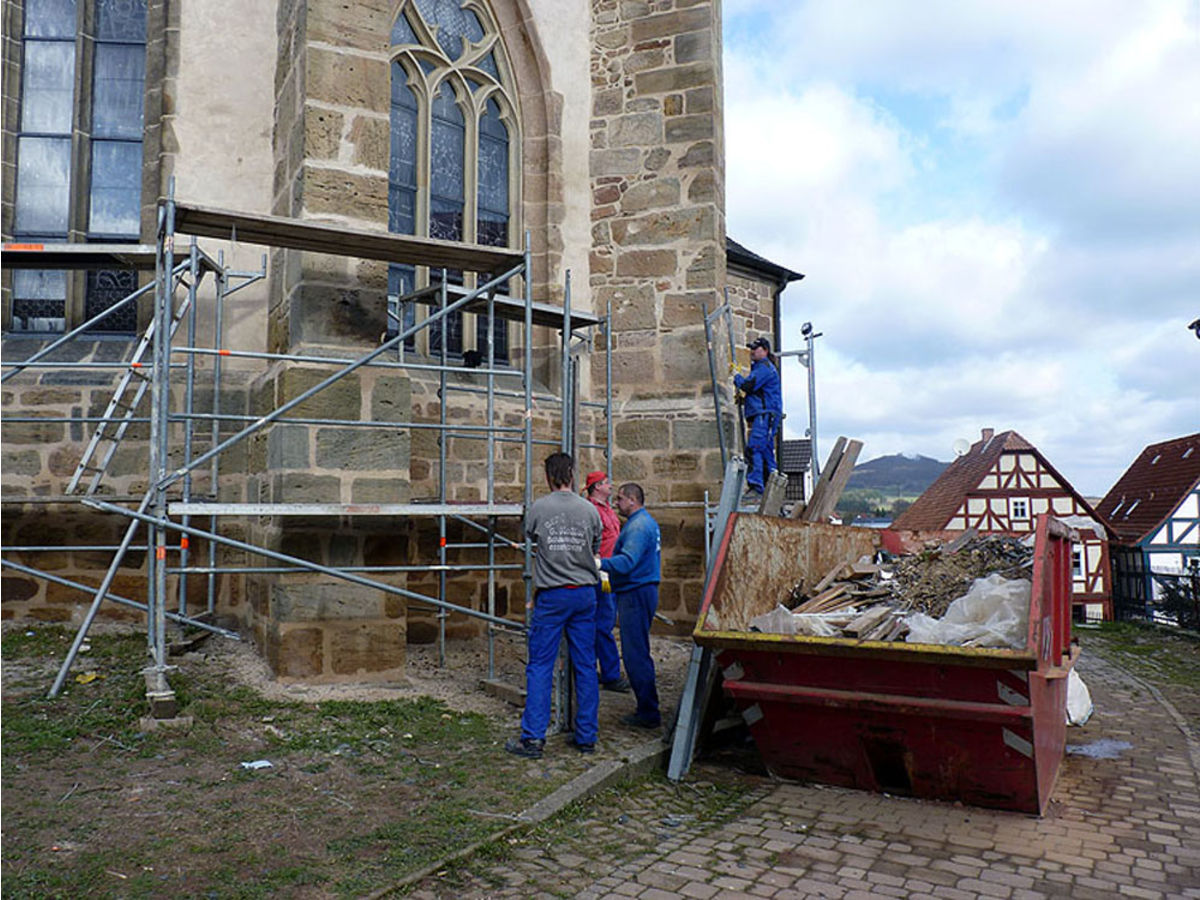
(365, 783)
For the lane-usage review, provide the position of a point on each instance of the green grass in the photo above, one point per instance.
(1156, 653)
(361, 792)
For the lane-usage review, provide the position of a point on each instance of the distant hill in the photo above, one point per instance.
(896, 475)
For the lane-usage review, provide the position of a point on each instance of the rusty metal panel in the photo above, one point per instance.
(770, 555)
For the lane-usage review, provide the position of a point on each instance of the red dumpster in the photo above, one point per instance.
(981, 725)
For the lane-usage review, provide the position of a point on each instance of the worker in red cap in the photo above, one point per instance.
(599, 490)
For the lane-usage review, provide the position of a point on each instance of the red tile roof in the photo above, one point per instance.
(1152, 488)
(941, 500)
(933, 510)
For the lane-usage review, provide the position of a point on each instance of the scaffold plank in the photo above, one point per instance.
(181, 508)
(544, 314)
(340, 240)
(34, 255)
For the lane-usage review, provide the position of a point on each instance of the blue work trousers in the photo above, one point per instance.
(636, 608)
(760, 450)
(607, 656)
(555, 611)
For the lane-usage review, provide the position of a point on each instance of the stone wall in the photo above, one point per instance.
(658, 256)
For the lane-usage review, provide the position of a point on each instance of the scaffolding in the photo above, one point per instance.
(172, 511)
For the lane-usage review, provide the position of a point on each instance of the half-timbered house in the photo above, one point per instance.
(1000, 486)
(1154, 513)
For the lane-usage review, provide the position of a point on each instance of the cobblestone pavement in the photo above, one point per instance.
(1125, 826)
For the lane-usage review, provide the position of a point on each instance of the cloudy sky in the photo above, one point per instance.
(997, 208)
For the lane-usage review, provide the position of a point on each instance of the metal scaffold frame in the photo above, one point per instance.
(168, 506)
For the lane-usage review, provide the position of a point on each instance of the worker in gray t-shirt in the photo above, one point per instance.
(567, 530)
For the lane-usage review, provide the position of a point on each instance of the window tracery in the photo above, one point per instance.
(453, 131)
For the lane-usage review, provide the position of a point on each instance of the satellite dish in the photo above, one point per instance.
(961, 446)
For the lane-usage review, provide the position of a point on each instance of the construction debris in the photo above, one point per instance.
(877, 598)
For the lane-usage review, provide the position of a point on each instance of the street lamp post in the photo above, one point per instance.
(807, 360)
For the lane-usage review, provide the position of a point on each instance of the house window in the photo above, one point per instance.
(1077, 562)
(89, 189)
(452, 153)
(1018, 508)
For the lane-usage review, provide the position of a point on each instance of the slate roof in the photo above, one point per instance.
(795, 458)
(933, 510)
(1152, 488)
(747, 259)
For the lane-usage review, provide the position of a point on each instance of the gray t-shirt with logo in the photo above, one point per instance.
(567, 530)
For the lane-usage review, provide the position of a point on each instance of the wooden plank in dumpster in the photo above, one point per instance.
(982, 725)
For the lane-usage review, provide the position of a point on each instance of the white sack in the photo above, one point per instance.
(993, 613)
(1079, 700)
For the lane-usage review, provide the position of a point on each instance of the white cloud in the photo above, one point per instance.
(995, 206)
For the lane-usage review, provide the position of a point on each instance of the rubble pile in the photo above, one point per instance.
(929, 581)
(872, 598)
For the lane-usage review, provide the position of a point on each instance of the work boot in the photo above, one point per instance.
(619, 686)
(582, 748)
(637, 721)
(530, 748)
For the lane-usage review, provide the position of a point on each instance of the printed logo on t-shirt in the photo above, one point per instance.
(565, 534)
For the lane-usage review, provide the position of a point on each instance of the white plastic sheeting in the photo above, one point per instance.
(993, 613)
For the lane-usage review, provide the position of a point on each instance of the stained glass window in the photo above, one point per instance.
(402, 195)
(459, 116)
(91, 184)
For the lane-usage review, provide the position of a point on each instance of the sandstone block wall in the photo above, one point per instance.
(658, 257)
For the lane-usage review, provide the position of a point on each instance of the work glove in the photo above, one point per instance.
(735, 369)
(605, 584)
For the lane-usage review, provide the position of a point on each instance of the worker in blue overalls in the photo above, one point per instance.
(763, 407)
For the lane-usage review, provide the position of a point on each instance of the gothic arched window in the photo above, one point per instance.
(453, 131)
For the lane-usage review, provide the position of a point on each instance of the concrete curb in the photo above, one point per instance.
(641, 759)
(644, 758)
